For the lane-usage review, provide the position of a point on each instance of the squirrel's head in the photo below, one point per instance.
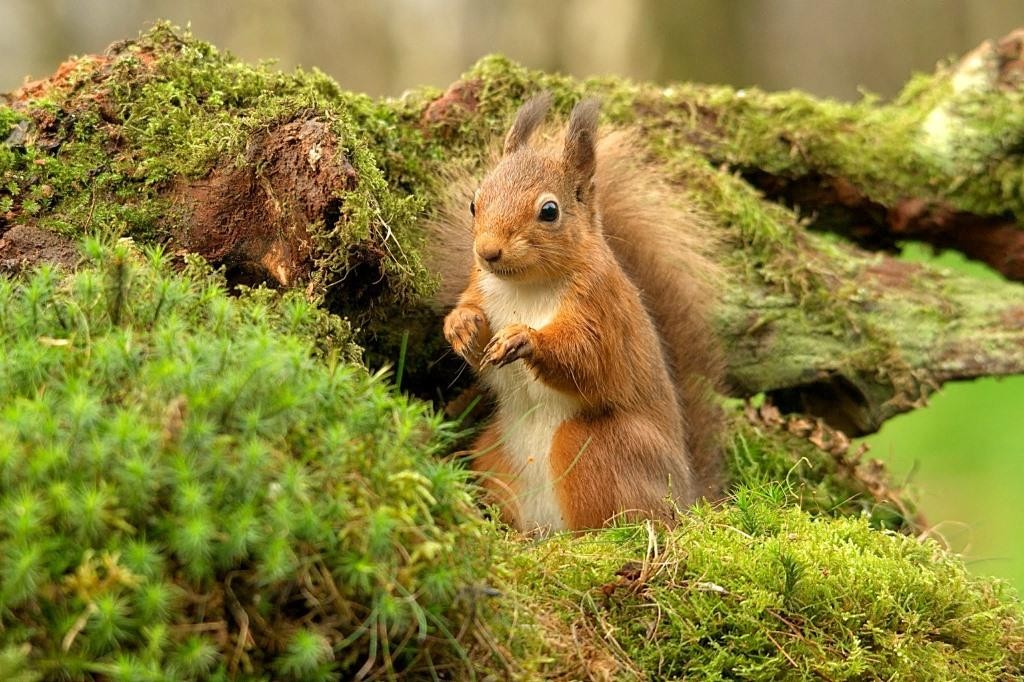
(537, 203)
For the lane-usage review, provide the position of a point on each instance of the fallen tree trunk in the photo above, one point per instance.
(286, 179)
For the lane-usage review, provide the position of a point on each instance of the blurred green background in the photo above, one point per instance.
(964, 452)
(963, 455)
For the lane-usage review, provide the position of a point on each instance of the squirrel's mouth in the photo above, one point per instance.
(505, 273)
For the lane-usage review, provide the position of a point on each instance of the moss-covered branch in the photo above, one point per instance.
(288, 179)
(940, 163)
(885, 335)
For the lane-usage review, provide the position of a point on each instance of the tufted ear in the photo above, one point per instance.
(579, 158)
(529, 116)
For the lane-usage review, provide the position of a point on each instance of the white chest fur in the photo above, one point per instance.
(529, 411)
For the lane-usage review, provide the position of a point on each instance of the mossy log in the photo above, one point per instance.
(288, 179)
(350, 546)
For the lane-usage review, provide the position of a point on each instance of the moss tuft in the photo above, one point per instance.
(758, 590)
(817, 481)
(186, 488)
(201, 491)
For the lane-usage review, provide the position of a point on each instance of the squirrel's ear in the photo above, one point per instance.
(580, 154)
(529, 116)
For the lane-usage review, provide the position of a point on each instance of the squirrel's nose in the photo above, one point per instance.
(491, 254)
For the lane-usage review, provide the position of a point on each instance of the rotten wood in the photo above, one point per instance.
(254, 217)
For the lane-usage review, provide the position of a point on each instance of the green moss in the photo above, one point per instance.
(8, 119)
(936, 140)
(109, 142)
(758, 590)
(15, 666)
(818, 482)
(194, 107)
(178, 466)
(194, 462)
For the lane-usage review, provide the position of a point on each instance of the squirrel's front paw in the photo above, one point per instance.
(466, 329)
(512, 343)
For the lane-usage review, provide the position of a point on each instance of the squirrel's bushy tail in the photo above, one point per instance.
(448, 250)
(664, 247)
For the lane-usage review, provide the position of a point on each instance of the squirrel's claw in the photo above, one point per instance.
(463, 329)
(512, 343)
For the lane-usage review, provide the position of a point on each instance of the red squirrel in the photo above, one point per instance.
(585, 315)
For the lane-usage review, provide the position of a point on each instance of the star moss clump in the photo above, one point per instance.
(190, 488)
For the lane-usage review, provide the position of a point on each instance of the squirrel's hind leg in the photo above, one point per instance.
(583, 468)
(611, 468)
(497, 478)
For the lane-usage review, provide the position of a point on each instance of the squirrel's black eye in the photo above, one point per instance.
(548, 212)
(472, 208)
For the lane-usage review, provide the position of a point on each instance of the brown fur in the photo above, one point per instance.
(499, 478)
(631, 339)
